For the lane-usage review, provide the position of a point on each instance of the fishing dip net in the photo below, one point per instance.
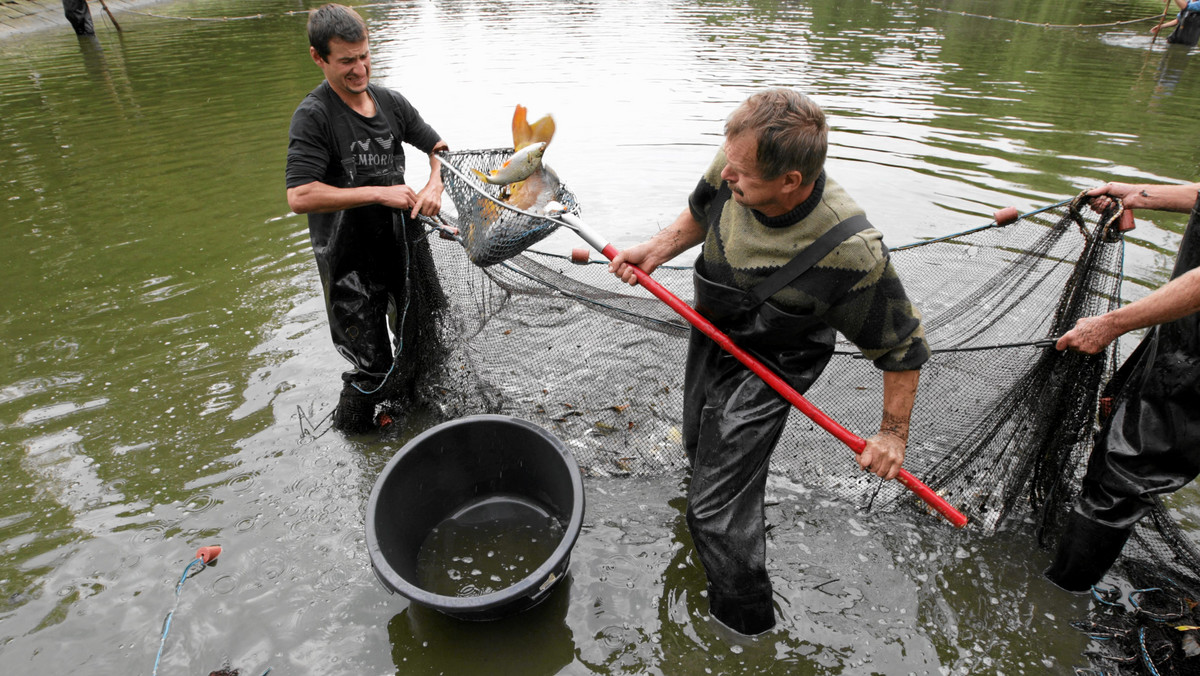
(496, 229)
(1002, 424)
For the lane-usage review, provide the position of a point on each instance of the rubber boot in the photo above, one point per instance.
(355, 412)
(749, 615)
(1085, 553)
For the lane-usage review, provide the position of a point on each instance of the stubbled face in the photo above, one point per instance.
(741, 173)
(348, 68)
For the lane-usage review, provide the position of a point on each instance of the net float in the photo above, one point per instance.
(1006, 215)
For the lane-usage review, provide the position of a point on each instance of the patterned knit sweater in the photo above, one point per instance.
(854, 288)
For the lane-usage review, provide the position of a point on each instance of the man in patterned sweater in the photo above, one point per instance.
(788, 260)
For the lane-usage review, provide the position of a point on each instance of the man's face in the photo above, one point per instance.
(744, 179)
(348, 67)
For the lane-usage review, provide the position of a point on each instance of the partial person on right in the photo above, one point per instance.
(1184, 7)
(1150, 445)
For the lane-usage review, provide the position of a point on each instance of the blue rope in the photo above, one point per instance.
(1099, 593)
(167, 627)
(1146, 654)
(989, 226)
(1133, 596)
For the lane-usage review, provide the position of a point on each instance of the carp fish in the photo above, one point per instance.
(500, 233)
(519, 167)
(541, 186)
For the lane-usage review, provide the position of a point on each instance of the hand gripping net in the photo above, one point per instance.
(493, 230)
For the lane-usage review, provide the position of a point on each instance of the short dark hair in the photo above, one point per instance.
(334, 21)
(791, 132)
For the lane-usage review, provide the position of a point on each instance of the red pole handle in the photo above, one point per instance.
(856, 443)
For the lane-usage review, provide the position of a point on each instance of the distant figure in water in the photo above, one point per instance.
(80, 16)
(1186, 8)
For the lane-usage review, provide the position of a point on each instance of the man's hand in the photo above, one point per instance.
(1127, 193)
(666, 244)
(641, 255)
(884, 452)
(883, 455)
(429, 201)
(1089, 336)
(396, 196)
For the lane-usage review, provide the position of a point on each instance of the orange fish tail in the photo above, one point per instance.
(522, 134)
(543, 130)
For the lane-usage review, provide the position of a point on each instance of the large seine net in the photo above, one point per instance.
(1001, 427)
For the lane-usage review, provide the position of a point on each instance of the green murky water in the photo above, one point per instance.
(165, 350)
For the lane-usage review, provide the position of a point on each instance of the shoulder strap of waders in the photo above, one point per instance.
(807, 258)
(383, 104)
(339, 123)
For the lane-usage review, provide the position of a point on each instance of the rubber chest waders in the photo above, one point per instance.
(732, 421)
(369, 259)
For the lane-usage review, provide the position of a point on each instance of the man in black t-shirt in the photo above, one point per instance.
(345, 169)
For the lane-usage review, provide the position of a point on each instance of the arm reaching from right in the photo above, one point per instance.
(1178, 298)
(1179, 198)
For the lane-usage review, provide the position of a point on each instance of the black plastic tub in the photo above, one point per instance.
(476, 465)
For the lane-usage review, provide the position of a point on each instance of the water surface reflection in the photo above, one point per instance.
(167, 352)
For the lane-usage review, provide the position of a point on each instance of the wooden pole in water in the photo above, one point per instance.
(1162, 19)
(114, 19)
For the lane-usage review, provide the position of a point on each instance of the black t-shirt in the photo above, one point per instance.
(313, 154)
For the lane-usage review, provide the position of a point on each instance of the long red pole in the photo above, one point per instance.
(855, 442)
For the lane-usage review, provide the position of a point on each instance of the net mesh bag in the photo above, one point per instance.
(1002, 423)
(1001, 420)
(500, 221)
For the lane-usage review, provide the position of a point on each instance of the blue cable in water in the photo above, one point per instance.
(1146, 659)
(167, 627)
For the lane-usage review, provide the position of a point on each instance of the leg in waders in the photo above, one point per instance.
(358, 292)
(1149, 447)
(79, 16)
(382, 317)
(732, 423)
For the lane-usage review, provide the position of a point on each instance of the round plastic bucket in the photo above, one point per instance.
(467, 471)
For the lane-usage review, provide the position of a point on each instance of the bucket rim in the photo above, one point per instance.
(533, 585)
